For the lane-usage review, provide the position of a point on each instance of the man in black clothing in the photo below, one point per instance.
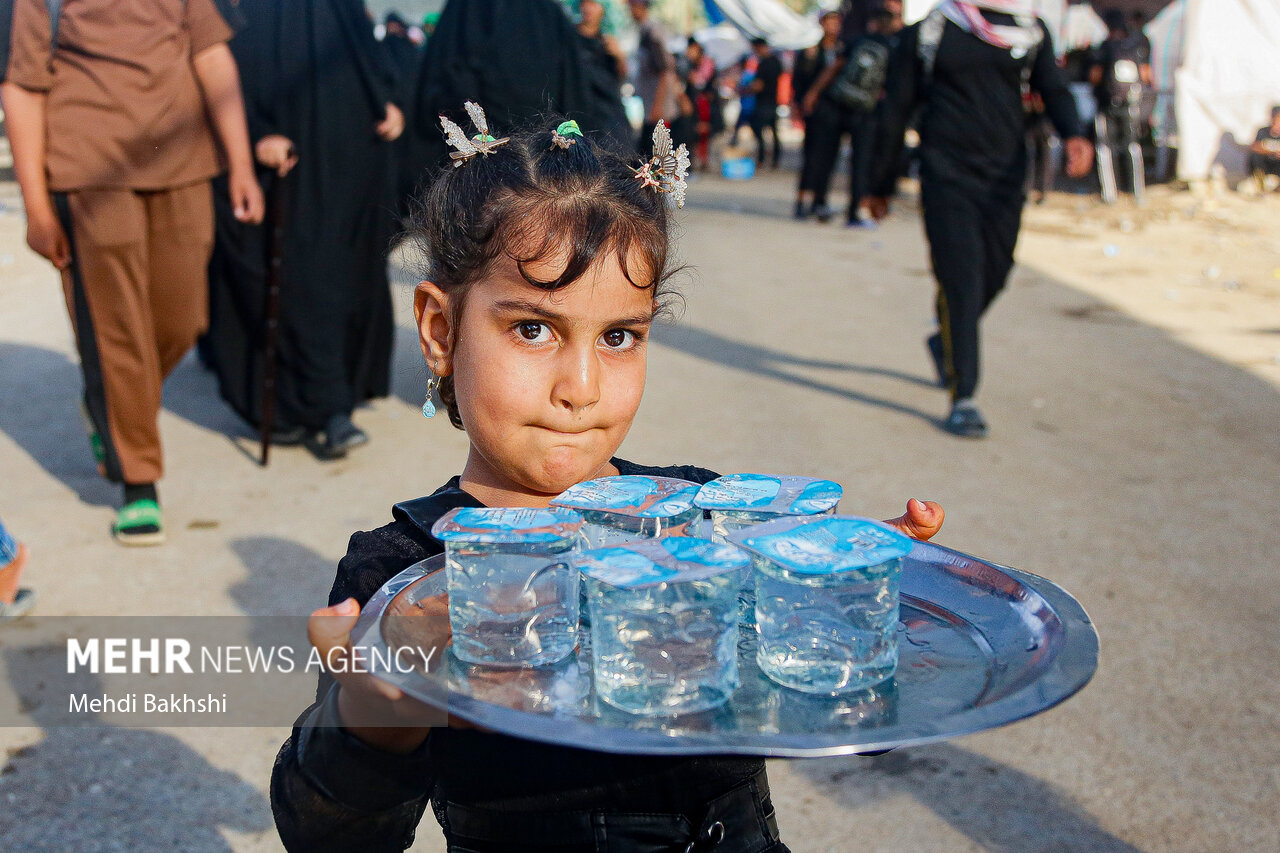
(1264, 154)
(1121, 77)
(823, 118)
(765, 88)
(966, 66)
(859, 77)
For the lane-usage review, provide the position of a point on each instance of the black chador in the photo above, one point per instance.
(311, 71)
(518, 58)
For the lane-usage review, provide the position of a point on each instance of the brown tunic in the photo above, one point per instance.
(124, 109)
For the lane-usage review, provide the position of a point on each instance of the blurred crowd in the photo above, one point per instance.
(278, 145)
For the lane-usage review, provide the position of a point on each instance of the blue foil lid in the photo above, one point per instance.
(506, 526)
(631, 495)
(762, 493)
(651, 561)
(824, 545)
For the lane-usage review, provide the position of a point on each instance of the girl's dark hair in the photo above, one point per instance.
(531, 200)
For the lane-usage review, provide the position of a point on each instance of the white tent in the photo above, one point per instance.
(1227, 82)
(785, 29)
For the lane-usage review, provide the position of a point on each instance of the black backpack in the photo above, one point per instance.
(859, 85)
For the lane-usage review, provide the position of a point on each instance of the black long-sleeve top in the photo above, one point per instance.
(332, 792)
(972, 122)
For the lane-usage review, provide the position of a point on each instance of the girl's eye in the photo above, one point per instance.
(619, 339)
(534, 332)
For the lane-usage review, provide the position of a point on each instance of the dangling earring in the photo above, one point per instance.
(429, 408)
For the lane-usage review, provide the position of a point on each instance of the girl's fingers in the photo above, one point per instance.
(922, 520)
(329, 630)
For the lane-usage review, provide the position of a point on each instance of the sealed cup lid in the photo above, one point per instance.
(485, 525)
(823, 546)
(762, 493)
(651, 561)
(632, 495)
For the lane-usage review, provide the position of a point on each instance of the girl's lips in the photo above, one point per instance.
(565, 432)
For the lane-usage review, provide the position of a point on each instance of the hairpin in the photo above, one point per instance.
(666, 170)
(562, 136)
(481, 143)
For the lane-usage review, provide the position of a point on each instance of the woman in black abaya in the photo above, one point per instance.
(519, 59)
(320, 113)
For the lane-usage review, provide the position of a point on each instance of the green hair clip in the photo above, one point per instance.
(561, 136)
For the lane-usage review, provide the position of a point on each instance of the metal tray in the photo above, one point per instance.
(980, 645)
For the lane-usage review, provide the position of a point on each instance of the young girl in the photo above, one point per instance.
(547, 262)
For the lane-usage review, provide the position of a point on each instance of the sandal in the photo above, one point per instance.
(19, 607)
(139, 523)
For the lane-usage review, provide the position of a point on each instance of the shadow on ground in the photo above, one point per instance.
(995, 806)
(777, 364)
(106, 788)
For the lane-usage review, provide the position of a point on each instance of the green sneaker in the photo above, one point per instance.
(139, 523)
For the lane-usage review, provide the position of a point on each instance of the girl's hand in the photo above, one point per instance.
(371, 710)
(922, 520)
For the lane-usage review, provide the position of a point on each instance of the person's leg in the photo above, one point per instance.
(1000, 221)
(827, 132)
(179, 242)
(773, 138)
(953, 227)
(107, 296)
(862, 130)
(13, 556)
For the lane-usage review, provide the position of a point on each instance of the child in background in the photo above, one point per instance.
(15, 602)
(547, 261)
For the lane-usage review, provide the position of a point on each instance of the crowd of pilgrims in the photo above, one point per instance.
(345, 125)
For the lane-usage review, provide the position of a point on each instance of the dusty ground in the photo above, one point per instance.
(1134, 460)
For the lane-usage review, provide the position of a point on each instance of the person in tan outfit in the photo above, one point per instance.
(113, 109)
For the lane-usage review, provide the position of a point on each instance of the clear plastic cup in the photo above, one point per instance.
(826, 601)
(664, 618)
(617, 510)
(739, 501)
(513, 598)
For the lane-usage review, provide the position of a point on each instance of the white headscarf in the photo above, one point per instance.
(1019, 38)
(1009, 7)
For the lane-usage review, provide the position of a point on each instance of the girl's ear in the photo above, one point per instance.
(435, 332)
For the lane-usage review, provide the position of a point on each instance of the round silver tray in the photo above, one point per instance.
(980, 645)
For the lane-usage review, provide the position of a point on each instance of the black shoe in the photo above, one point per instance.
(965, 421)
(340, 436)
(288, 436)
(800, 212)
(934, 343)
(822, 212)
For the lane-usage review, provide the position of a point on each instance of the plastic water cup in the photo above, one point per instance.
(664, 618)
(513, 597)
(827, 593)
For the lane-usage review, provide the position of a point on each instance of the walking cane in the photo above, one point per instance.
(277, 213)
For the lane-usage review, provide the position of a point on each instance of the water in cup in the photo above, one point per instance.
(826, 601)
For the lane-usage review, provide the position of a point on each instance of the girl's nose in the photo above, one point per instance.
(577, 384)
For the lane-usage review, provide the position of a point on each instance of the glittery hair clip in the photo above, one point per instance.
(481, 143)
(563, 135)
(666, 170)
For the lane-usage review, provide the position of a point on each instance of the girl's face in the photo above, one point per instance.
(547, 382)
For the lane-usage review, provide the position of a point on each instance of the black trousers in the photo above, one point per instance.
(971, 236)
(765, 116)
(1263, 164)
(824, 132)
(741, 820)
